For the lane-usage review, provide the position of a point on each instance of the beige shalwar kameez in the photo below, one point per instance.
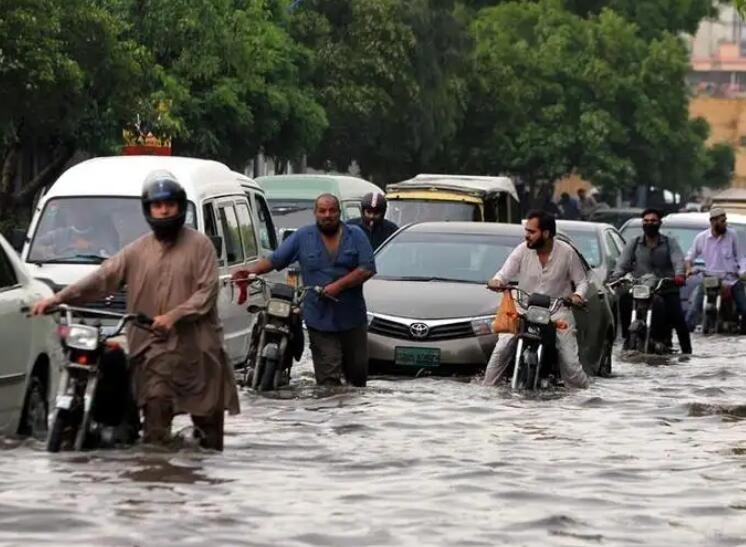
(188, 368)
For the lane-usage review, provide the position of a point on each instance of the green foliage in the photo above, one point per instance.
(555, 93)
(390, 75)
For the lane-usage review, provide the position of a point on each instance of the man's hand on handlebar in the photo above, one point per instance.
(331, 290)
(41, 307)
(496, 285)
(577, 300)
(162, 324)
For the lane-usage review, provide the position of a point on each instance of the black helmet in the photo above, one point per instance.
(374, 202)
(162, 185)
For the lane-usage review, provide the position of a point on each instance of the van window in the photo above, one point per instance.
(7, 273)
(211, 225)
(267, 234)
(352, 210)
(247, 230)
(231, 234)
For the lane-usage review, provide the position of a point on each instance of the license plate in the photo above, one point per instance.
(417, 357)
(64, 401)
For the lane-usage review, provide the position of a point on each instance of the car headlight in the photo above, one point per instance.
(82, 337)
(279, 308)
(482, 326)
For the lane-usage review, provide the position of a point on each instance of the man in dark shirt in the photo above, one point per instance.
(338, 258)
(654, 253)
(377, 228)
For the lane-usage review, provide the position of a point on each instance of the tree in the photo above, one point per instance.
(555, 93)
(230, 75)
(69, 79)
(390, 75)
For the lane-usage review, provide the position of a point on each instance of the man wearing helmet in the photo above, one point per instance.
(172, 276)
(377, 228)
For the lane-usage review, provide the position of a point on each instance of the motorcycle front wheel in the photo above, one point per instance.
(57, 432)
(269, 378)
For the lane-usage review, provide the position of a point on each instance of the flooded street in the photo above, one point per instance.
(654, 456)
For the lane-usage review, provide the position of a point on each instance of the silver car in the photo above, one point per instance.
(429, 308)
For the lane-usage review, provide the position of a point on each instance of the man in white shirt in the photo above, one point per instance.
(543, 265)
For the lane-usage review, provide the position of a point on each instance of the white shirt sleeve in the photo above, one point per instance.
(512, 266)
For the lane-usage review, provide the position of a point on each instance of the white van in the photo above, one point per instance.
(104, 194)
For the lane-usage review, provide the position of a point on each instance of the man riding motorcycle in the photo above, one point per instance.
(660, 255)
(543, 265)
(724, 258)
(377, 228)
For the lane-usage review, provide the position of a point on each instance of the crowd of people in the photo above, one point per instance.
(568, 208)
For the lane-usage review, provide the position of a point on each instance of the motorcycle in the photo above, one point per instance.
(277, 336)
(94, 407)
(643, 291)
(536, 363)
(718, 308)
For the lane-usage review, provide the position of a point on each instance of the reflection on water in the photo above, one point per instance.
(654, 456)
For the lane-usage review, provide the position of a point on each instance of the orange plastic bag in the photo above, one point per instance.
(506, 319)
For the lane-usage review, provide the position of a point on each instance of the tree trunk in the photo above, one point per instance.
(26, 194)
(10, 165)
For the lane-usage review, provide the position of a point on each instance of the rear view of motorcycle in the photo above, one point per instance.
(94, 407)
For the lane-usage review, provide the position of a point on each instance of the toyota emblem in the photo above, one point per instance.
(419, 330)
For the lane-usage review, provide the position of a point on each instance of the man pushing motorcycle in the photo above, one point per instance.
(171, 275)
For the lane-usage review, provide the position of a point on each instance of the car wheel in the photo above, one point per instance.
(35, 411)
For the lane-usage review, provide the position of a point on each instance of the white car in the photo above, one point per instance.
(30, 352)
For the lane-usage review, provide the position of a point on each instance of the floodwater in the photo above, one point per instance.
(654, 456)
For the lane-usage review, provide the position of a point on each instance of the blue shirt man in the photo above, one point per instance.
(338, 258)
(320, 267)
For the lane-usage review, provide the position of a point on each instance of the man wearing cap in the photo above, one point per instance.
(725, 258)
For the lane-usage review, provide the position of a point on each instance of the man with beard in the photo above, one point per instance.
(377, 228)
(725, 258)
(543, 265)
(660, 255)
(339, 258)
(171, 275)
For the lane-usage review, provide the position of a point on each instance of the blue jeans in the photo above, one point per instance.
(694, 313)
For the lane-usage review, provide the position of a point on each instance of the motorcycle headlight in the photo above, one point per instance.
(538, 315)
(82, 337)
(482, 326)
(641, 292)
(278, 308)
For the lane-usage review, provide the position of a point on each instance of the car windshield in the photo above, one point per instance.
(405, 211)
(89, 229)
(292, 213)
(418, 256)
(684, 235)
(588, 245)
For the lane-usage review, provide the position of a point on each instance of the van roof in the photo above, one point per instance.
(305, 186)
(459, 183)
(124, 176)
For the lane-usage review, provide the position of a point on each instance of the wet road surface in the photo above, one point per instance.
(654, 456)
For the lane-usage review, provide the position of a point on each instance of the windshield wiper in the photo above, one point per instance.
(93, 258)
(426, 278)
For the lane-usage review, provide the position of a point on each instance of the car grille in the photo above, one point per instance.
(393, 329)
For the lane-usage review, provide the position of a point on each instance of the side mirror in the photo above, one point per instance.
(18, 239)
(217, 241)
(286, 233)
